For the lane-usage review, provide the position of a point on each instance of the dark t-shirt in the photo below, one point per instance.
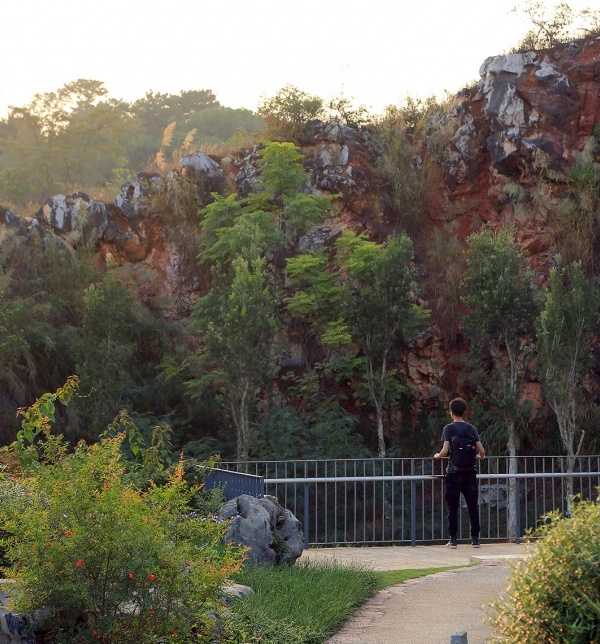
(458, 427)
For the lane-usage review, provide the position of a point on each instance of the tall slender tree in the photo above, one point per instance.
(499, 293)
(242, 238)
(564, 330)
(239, 323)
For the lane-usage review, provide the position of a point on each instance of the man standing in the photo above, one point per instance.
(463, 444)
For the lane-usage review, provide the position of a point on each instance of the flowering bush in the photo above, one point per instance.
(115, 564)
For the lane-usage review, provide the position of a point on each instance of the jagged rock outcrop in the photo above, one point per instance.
(339, 160)
(12, 220)
(271, 532)
(529, 111)
(133, 200)
(524, 104)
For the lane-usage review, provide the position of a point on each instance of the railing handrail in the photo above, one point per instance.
(401, 500)
(424, 477)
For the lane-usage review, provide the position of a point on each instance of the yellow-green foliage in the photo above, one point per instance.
(116, 564)
(553, 596)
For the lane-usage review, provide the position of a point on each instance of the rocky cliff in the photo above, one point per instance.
(527, 118)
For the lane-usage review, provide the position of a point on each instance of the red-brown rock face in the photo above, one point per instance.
(527, 115)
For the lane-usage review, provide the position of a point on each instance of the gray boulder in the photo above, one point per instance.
(10, 219)
(201, 163)
(76, 216)
(16, 628)
(132, 201)
(272, 533)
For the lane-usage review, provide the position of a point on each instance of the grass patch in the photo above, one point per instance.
(391, 577)
(305, 603)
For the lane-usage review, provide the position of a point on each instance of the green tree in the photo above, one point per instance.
(379, 310)
(217, 124)
(42, 281)
(317, 297)
(324, 430)
(105, 350)
(565, 329)
(244, 240)
(156, 111)
(17, 364)
(367, 298)
(501, 306)
(271, 218)
(239, 322)
(64, 140)
(287, 113)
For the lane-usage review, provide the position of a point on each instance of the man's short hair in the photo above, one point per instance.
(458, 407)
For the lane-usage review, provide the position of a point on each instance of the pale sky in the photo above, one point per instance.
(374, 53)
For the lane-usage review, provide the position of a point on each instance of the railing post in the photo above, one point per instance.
(413, 506)
(306, 501)
(517, 511)
(306, 504)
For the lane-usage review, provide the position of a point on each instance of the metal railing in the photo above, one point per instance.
(401, 501)
(234, 483)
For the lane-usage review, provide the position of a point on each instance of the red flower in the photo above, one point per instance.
(79, 563)
(130, 575)
(151, 577)
(48, 544)
(68, 533)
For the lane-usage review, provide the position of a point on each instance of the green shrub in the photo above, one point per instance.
(115, 564)
(287, 113)
(553, 597)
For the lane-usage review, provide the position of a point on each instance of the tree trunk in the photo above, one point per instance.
(566, 416)
(239, 411)
(380, 437)
(378, 399)
(513, 468)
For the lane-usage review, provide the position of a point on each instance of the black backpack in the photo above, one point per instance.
(463, 450)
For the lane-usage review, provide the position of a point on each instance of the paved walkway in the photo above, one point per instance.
(431, 609)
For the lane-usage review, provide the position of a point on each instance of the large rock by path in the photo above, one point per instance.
(272, 533)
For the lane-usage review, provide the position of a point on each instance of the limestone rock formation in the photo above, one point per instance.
(529, 112)
(272, 533)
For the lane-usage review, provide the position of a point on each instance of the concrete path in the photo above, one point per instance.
(431, 609)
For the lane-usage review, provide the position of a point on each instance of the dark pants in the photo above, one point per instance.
(465, 483)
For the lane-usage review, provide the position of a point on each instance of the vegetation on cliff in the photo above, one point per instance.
(295, 323)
